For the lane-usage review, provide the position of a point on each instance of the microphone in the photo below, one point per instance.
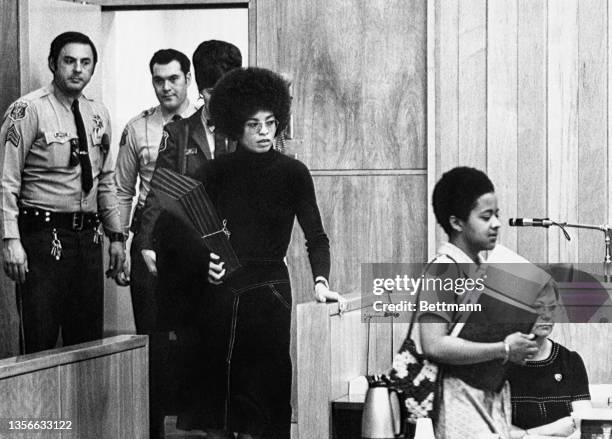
(533, 222)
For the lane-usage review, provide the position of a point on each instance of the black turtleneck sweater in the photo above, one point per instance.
(260, 194)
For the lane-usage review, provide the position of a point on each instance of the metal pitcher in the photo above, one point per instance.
(381, 417)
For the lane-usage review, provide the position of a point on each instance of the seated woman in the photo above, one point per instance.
(465, 205)
(244, 379)
(549, 385)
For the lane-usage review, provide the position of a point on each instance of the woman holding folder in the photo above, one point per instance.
(244, 384)
(465, 205)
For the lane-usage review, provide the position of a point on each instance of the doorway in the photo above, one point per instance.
(129, 37)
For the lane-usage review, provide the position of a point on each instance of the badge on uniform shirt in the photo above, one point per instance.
(18, 111)
(98, 127)
(97, 121)
(13, 136)
(164, 141)
(558, 377)
(123, 137)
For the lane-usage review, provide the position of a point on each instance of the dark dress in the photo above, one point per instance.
(242, 382)
(543, 391)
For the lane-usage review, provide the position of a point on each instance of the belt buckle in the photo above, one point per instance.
(78, 220)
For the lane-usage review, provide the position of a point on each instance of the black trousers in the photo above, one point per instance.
(240, 379)
(165, 357)
(66, 294)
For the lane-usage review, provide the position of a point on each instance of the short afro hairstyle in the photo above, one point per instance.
(166, 56)
(61, 40)
(242, 93)
(212, 59)
(456, 194)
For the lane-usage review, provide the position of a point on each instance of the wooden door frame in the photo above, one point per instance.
(250, 4)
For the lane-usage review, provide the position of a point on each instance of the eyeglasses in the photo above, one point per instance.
(256, 127)
(541, 308)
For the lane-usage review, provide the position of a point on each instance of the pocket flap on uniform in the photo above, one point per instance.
(58, 137)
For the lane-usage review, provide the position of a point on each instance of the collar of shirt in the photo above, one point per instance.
(66, 101)
(470, 268)
(189, 110)
(210, 129)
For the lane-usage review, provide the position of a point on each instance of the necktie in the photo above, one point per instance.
(176, 117)
(86, 175)
(220, 144)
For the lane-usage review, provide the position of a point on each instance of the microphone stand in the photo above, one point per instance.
(606, 229)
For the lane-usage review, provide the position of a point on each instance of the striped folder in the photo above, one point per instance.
(196, 204)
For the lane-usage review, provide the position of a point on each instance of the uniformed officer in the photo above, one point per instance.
(187, 144)
(136, 162)
(57, 194)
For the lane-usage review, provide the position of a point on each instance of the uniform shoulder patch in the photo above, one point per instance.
(124, 135)
(164, 141)
(13, 136)
(18, 110)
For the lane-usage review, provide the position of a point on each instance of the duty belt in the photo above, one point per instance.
(39, 218)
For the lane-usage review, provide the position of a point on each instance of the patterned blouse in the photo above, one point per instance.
(543, 391)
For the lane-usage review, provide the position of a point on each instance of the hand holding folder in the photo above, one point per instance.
(511, 286)
(188, 198)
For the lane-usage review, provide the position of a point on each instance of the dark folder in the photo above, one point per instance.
(189, 196)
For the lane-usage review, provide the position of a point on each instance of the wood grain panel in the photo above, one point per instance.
(90, 391)
(532, 133)
(70, 354)
(9, 50)
(359, 80)
(447, 95)
(563, 75)
(592, 131)
(472, 84)
(447, 91)
(349, 355)
(271, 15)
(10, 83)
(380, 347)
(32, 396)
(125, 419)
(588, 339)
(502, 107)
(140, 392)
(367, 219)
(313, 401)
(609, 106)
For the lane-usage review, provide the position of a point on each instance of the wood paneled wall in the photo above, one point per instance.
(359, 101)
(10, 83)
(520, 90)
(100, 387)
(359, 85)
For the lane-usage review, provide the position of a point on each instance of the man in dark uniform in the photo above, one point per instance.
(56, 191)
(171, 77)
(187, 144)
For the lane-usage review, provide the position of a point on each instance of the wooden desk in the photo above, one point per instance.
(332, 349)
(101, 387)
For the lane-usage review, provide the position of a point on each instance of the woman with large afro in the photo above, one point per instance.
(244, 385)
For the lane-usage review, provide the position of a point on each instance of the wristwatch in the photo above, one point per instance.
(116, 237)
(321, 280)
